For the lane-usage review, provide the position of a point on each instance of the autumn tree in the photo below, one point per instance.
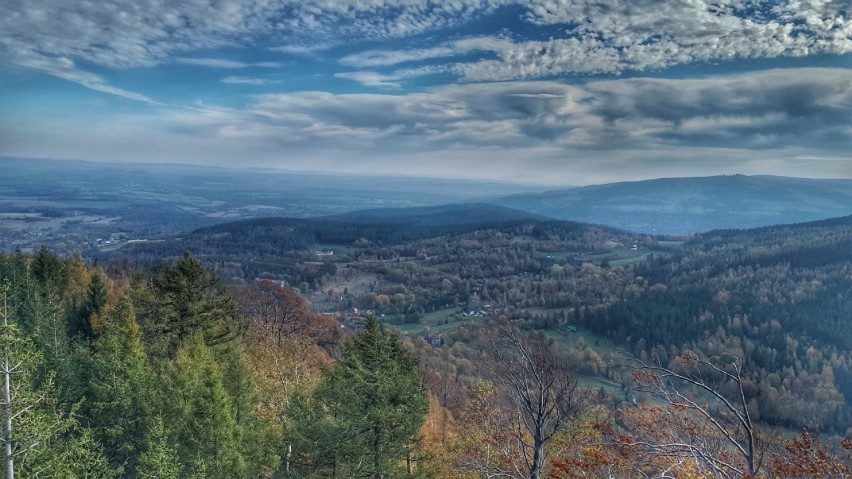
(702, 422)
(282, 313)
(541, 396)
(805, 457)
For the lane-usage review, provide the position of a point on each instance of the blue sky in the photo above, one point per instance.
(557, 92)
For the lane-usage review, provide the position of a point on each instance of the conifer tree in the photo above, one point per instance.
(118, 399)
(365, 412)
(39, 439)
(257, 440)
(201, 413)
(160, 460)
(42, 318)
(93, 304)
(185, 303)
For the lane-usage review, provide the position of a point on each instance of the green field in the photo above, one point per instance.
(615, 257)
(622, 256)
(439, 321)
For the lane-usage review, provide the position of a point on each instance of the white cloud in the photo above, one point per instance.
(792, 122)
(622, 35)
(212, 63)
(66, 69)
(304, 50)
(589, 36)
(629, 35)
(808, 108)
(124, 33)
(371, 78)
(239, 80)
(383, 58)
(222, 63)
(144, 33)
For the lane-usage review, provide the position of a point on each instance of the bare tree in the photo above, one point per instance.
(698, 418)
(281, 313)
(279, 310)
(540, 396)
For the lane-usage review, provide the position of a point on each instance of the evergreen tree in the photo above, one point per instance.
(255, 436)
(185, 303)
(365, 412)
(42, 317)
(49, 272)
(40, 440)
(201, 413)
(93, 304)
(160, 460)
(117, 405)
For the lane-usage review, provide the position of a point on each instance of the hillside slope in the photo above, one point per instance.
(692, 205)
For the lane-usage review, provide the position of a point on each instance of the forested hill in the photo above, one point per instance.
(263, 246)
(693, 205)
(443, 215)
(364, 228)
(779, 297)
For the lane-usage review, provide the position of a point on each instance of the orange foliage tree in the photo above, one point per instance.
(804, 457)
(698, 422)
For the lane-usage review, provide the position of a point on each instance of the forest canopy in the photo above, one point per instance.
(168, 371)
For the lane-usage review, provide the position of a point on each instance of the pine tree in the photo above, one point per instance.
(366, 411)
(257, 440)
(160, 459)
(201, 413)
(93, 304)
(186, 304)
(40, 440)
(117, 405)
(42, 317)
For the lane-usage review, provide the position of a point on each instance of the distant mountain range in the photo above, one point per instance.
(693, 205)
(69, 205)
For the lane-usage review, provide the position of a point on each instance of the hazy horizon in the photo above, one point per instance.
(540, 186)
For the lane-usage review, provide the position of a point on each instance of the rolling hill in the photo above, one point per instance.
(693, 205)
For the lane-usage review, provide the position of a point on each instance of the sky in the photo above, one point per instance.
(552, 92)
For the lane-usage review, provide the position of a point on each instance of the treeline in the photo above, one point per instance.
(276, 235)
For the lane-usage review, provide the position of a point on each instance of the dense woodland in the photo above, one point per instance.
(724, 356)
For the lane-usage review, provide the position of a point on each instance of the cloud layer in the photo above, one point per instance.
(590, 36)
(772, 109)
(783, 121)
(462, 87)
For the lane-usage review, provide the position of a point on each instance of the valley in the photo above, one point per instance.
(760, 313)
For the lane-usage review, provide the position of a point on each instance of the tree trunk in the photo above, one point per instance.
(7, 410)
(377, 453)
(408, 463)
(538, 456)
(7, 392)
